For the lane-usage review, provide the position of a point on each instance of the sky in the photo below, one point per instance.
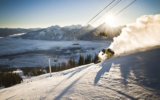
(46, 13)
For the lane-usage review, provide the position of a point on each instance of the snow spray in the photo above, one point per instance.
(103, 57)
(142, 34)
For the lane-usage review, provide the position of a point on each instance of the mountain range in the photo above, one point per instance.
(58, 33)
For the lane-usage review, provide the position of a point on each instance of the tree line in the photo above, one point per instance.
(71, 63)
(7, 69)
(9, 79)
(32, 71)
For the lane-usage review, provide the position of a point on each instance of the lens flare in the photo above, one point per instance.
(110, 20)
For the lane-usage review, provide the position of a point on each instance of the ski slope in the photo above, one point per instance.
(125, 77)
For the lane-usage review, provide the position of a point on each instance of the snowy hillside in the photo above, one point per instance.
(126, 77)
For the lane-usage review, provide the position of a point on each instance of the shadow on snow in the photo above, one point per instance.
(144, 65)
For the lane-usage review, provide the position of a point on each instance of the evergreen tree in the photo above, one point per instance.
(88, 59)
(14, 80)
(9, 79)
(85, 61)
(96, 57)
(55, 68)
(65, 66)
(62, 66)
(70, 63)
(59, 67)
(81, 60)
(0, 81)
(73, 63)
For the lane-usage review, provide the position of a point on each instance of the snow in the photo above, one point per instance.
(52, 37)
(48, 30)
(125, 77)
(60, 36)
(18, 34)
(53, 27)
(73, 27)
(68, 51)
(18, 71)
(42, 33)
(59, 32)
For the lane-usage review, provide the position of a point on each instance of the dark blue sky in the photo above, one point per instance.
(45, 13)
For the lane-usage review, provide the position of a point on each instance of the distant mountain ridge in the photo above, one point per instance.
(58, 33)
(4, 32)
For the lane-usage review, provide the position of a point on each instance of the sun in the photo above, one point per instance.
(110, 20)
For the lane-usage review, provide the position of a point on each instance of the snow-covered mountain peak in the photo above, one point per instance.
(58, 33)
(73, 27)
(89, 27)
(54, 27)
(42, 33)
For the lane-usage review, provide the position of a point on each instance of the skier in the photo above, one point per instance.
(109, 52)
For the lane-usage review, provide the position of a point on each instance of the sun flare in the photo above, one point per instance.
(110, 20)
